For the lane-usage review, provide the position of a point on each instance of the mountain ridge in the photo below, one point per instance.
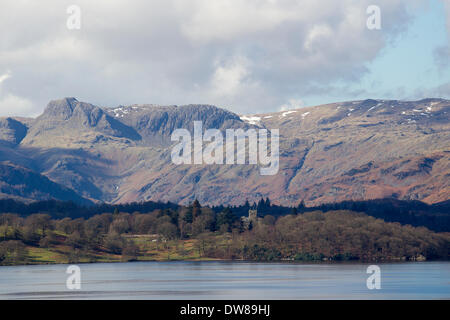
(354, 150)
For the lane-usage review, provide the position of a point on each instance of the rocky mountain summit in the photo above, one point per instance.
(341, 151)
(12, 131)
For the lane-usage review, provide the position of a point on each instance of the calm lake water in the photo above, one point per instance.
(227, 280)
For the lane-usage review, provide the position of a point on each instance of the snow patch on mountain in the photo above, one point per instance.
(251, 120)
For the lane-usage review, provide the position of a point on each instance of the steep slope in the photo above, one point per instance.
(364, 150)
(95, 151)
(353, 150)
(65, 121)
(342, 151)
(155, 124)
(12, 131)
(23, 184)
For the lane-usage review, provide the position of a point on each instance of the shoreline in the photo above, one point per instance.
(207, 260)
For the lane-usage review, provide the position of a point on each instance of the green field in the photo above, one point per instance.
(149, 250)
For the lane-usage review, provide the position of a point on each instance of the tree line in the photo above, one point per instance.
(301, 235)
(435, 217)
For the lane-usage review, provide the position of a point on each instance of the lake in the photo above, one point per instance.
(227, 280)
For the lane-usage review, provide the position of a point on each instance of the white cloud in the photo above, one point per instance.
(316, 34)
(11, 105)
(226, 20)
(447, 10)
(250, 56)
(292, 104)
(228, 79)
(442, 54)
(5, 76)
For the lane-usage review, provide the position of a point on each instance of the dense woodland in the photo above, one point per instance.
(214, 233)
(416, 213)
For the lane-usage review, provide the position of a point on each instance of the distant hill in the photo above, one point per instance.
(358, 150)
(23, 184)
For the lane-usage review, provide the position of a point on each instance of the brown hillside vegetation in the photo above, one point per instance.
(192, 233)
(344, 235)
(354, 150)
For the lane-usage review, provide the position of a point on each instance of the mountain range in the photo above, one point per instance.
(355, 150)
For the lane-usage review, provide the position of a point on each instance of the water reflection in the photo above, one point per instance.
(227, 280)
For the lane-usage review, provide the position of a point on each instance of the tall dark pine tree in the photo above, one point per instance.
(188, 216)
(261, 204)
(226, 217)
(301, 206)
(195, 209)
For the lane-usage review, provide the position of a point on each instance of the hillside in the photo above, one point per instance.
(165, 235)
(355, 150)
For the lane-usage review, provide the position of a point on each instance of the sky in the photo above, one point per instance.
(248, 56)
